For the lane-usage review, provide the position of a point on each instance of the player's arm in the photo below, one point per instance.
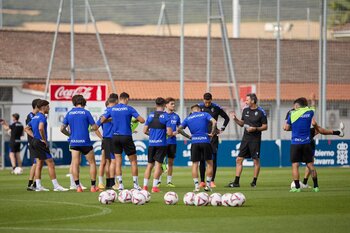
(42, 133)
(213, 127)
(287, 127)
(64, 130)
(140, 119)
(169, 131)
(146, 130)
(182, 132)
(224, 115)
(236, 120)
(29, 131)
(5, 125)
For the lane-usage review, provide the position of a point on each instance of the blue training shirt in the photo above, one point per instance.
(157, 129)
(174, 122)
(79, 120)
(300, 120)
(34, 124)
(121, 115)
(107, 127)
(197, 123)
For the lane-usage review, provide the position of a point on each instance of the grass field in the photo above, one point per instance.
(269, 207)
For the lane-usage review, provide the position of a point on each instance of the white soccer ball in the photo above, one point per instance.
(302, 185)
(18, 171)
(228, 200)
(138, 198)
(124, 196)
(132, 191)
(241, 198)
(215, 199)
(146, 194)
(171, 198)
(201, 199)
(112, 195)
(104, 198)
(189, 198)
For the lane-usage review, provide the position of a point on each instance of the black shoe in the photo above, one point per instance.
(207, 189)
(233, 185)
(253, 185)
(30, 188)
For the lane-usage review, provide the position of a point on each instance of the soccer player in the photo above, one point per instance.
(215, 111)
(158, 127)
(299, 122)
(108, 159)
(121, 115)
(15, 130)
(254, 122)
(79, 119)
(37, 129)
(31, 184)
(201, 149)
(171, 141)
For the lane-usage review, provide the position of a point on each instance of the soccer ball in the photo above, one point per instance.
(171, 198)
(201, 199)
(132, 191)
(112, 195)
(18, 171)
(302, 185)
(146, 194)
(215, 199)
(124, 196)
(104, 198)
(189, 198)
(228, 200)
(138, 198)
(241, 197)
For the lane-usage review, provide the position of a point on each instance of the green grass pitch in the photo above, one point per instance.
(269, 207)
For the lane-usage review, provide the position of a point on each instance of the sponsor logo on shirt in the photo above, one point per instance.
(77, 141)
(196, 116)
(199, 138)
(79, 112)
(156, 141)
(119, 109)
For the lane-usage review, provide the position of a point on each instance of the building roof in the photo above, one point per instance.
(147, 90)
(25, 55)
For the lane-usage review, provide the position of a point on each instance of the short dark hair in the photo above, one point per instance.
(16, 116)
(207, 96)
(124, 95)
(106, 103)
(253, 97)
(34, 103)
(169, 99)
(42, 103)
(112, 100)
(113, 95)
(302, 101)
(195, 106)
(79, 100)
(160, 101)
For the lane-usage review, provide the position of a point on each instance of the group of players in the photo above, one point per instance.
(162, 126)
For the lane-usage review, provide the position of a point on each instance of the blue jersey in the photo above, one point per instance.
(79, 120)
(198, 122)
(157, 123)
(107, 127)
(121, 115)
(34, 124)
(174, 122)
(300, 121)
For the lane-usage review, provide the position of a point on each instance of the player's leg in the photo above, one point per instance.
(159, 155)
(209, 174)
(256, 171)
(243, 152)
(215, 145)
(90, 157)
(195, 175)
(171, 153)
(38, 169)
(31, 184)
(112, 168)
(130, 150)
(101, 170)
(147, 174)
(13, 160)
(18, 159)
(202, 173)
(296, 156)
(52, 173)
(75, 162)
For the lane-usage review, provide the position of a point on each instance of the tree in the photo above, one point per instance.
(341, 12)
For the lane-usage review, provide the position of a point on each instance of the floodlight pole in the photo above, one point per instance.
(72, 63)
(182, 62)
(278, 81)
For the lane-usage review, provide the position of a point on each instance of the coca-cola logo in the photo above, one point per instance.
(63, 93)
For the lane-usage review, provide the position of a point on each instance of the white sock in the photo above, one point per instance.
(208, 181)
(145, 182)
(195, 181)
(135, 179)
(155, 182)
(72, 182)
(38, 183)
(55, 183)
(169, 178)
(120, 179)
(160, 179)
(100, 179)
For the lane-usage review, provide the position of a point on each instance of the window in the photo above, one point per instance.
(6, 94)
(343, 112)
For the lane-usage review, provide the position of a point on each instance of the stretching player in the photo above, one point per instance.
(158, 127)
(121, 115)
(37, 129)
(79, 119)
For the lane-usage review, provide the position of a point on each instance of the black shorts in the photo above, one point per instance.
(107, 147)
(156, 153)
(15, 147)
(41, 151)
(201, 151)
(31, 152)
(214, 142)
(301, 153)
(249, 149)
(83, 149)
(122, 143)
(171, 150)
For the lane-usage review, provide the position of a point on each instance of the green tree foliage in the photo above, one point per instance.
(341, 12)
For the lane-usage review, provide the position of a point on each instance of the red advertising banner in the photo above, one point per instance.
(65, 92)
